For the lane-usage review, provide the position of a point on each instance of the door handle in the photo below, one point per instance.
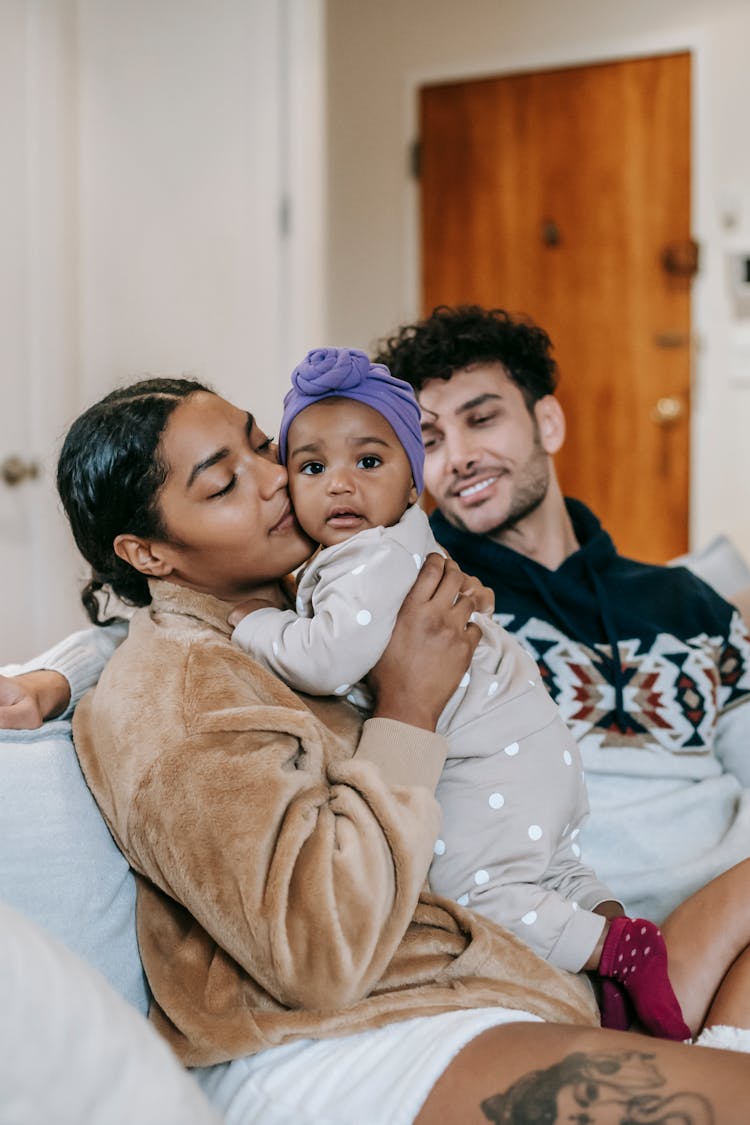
(14, 470)
(667, 410)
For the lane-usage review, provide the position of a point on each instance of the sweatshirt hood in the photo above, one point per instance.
(575, 595)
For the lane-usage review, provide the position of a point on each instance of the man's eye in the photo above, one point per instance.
(312, 468)
(430, 442)
(479, 419)
(227, 488)
(369, 461)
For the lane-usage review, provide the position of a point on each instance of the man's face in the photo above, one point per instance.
(485, 462)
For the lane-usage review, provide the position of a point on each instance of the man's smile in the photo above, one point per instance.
(478, 486)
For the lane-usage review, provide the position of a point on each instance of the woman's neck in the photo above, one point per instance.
(278, 594)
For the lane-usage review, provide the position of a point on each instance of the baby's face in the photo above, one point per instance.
(347, 470)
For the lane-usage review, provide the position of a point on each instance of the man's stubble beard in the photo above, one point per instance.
(529, 494)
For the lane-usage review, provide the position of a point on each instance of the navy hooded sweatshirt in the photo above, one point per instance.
(651, 670)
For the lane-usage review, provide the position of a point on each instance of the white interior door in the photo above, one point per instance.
(38, 565)
(150, 152)
(14, 514)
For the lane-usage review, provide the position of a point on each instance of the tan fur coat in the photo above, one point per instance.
(282, 852)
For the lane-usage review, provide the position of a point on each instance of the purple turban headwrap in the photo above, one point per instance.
(348, 373)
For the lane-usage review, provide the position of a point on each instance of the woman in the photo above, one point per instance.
(282, 850)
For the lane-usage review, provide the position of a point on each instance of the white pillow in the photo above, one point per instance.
(58, 862)
(72, 1052)
(719, 564)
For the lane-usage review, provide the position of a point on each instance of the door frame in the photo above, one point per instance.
(552, 58)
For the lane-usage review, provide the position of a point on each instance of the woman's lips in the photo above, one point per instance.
(285, 521)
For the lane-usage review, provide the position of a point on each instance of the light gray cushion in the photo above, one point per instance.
(58, 862)
(720, 564)
(72, 1052)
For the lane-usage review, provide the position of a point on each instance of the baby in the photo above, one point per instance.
(512, 791)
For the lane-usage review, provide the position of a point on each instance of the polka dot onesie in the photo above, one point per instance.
(512, 790)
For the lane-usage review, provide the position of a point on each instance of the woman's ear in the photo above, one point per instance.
(413, 494)
(551, 422)
(142, 554)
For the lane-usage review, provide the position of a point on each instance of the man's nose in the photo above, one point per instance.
(461, 452)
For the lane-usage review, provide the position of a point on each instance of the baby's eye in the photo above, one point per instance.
(312, 468)
(227, 488)
(369, 461)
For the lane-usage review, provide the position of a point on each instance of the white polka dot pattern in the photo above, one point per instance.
(342, 689)
(481, 877)
(492, 688)
(463, 900)
(417, 561)
(275, 648)
(439, 848)
(535, 832)
(530, 918)
(512, 749)
(496, 800)
(465, 680)
(568, 758)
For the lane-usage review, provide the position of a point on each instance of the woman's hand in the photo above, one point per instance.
(27, 700)
(431, 647)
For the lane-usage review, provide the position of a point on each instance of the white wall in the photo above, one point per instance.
(181, 135)
(377, 55)
(151, 147)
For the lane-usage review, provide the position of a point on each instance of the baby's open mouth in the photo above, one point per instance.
(342, 515)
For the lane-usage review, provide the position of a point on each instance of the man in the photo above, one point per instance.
(650, 667)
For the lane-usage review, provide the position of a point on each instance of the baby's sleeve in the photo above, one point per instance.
(354, 602)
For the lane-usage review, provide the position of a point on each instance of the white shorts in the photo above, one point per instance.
(378, 1077)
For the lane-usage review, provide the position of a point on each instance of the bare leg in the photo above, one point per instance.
(731, 1003)
(705, 936)
(526, 1072)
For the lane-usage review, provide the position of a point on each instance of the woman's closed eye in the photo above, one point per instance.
(227, 488)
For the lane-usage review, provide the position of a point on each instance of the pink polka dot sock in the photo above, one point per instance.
(635, 956)
(616, 1008)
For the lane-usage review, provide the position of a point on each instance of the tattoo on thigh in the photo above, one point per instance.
(601, 1089)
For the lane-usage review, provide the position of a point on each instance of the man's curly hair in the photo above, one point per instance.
(450, 339)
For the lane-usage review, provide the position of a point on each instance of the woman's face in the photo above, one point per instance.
(229, 522)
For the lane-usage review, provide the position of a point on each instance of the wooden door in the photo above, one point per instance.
(565, 195)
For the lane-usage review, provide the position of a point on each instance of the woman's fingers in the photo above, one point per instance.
(430, 648)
